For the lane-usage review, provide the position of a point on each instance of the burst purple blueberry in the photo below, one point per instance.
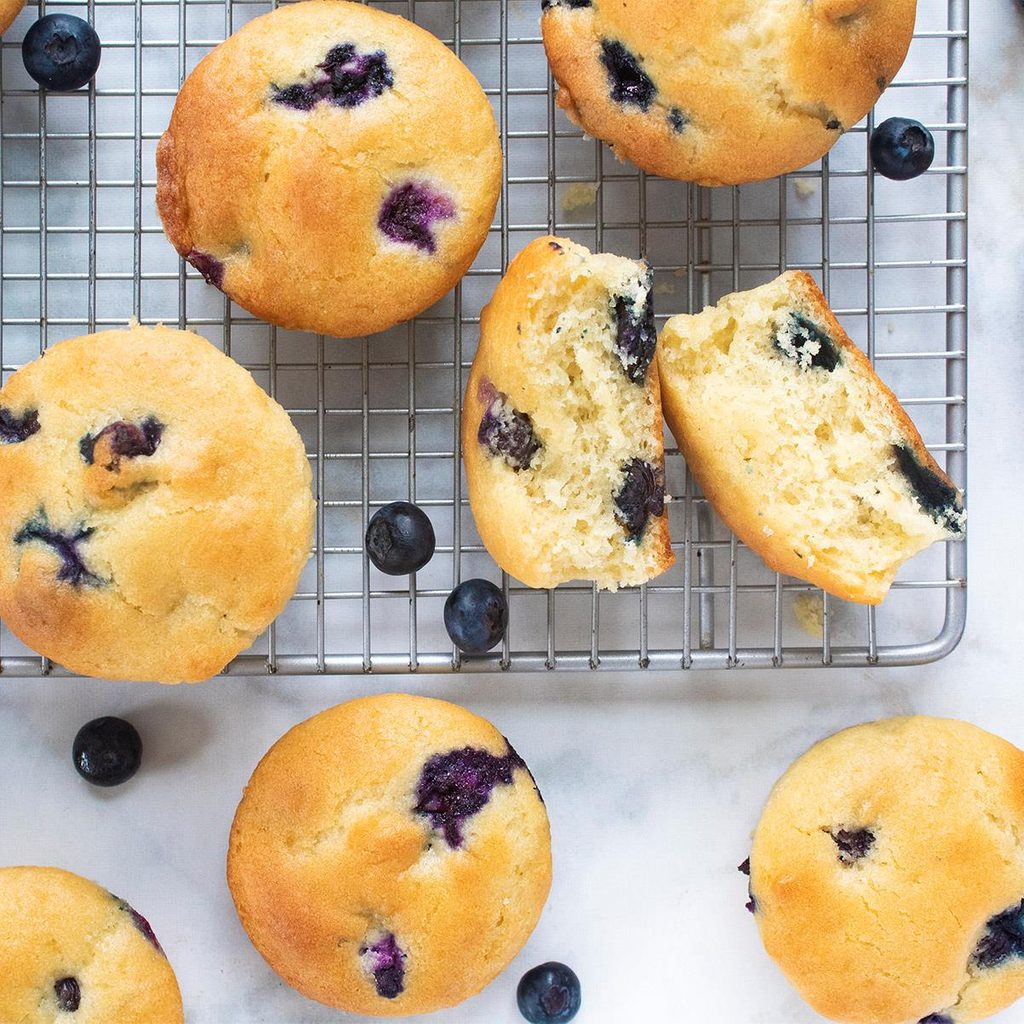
(65, 545)
(458, 784)
(410, 211)
(125, 440)
(209, 266)
(635, 335)
(641, 496)
(15, 429)
(630, 84)
(385, 960)
(68, 993)
(1003, 938)
(347, 78)
(852, 844)
(504, 431)
(139, 922)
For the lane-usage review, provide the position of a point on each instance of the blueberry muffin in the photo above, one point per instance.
(390, 855)
(887, 873)
(9, 10)
(561, 425)
(803, 451)
(330, 167)
(156, 507)
(70, 951)
(726, 92)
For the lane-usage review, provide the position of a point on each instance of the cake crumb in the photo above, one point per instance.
(809, 612)
(805, 188)
(579, 195)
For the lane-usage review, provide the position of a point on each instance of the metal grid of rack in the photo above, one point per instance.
(81, 248)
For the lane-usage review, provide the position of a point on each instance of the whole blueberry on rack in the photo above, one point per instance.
(902, 148)
(107, 751)
(400, 538)
(549, 994)
(476, 616)
(61, 52)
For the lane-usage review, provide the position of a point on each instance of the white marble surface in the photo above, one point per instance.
(653, 783)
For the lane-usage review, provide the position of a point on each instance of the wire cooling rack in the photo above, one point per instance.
(82, 249)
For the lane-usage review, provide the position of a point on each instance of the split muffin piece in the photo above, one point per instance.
(561, 431)
(804, 452)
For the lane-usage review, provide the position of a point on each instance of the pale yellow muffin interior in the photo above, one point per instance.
(591, 420)
(796, 455)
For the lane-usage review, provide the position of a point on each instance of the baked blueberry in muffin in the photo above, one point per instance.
(15, 429)
(409, 212)
(346, 79)
(390, 855)
(561, 428)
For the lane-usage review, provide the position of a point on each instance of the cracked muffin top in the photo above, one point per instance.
(726, 92)
(157, 506)
(72, 952)
(887, 873)
(330, 167)
(390, 855)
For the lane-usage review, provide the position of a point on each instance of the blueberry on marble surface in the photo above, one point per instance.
(476, 616)
(1003, 938)
(630, 84)
(15, 429)
(852, 844)
(346, 79)
(211, 268)
(72, 569)
(107, 751)
(385, 960)
(935, 495)
(641, 496)
(123, 440)
(549, 994)
(799, 338)
(61, 52)
(68, 993)
(400, 538)
(456, 785)
(635, 335)
(409, 212)
(505, 431)
(902, 148)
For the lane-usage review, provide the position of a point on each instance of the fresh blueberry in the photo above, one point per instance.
(635, 335)
(107, 751)
(68, 993)
(123, 440)
(901, 148)
(549, 994)
(347, 78)
(385, 960)
(852, 844)
(15, 429)
(456, 785)
(400, 538)
(211, 268)
(61, 52)
(72, 569)
(1003, 938)
(476, 616)
(505, 431)
(641, 496)
(409, 211)
(934, 494)
(630, 84)
(803, 341)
